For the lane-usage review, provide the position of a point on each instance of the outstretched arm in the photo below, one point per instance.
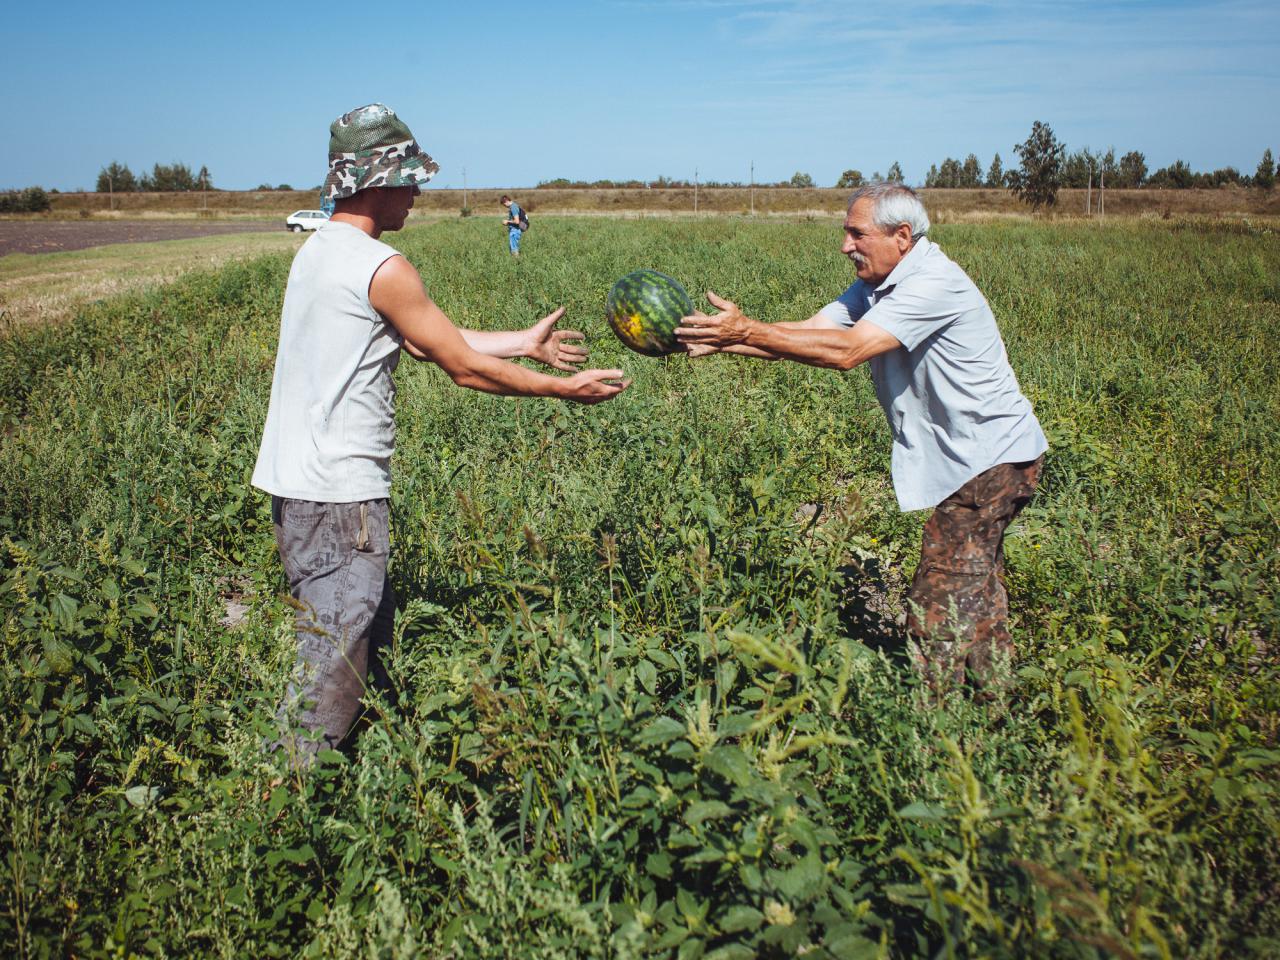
(541, 342)
(810, 341)
(397, 294)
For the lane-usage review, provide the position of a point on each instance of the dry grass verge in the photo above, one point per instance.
(49, 288)
(738, 201)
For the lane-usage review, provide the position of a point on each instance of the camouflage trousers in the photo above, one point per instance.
(335, 560)
(957, 607)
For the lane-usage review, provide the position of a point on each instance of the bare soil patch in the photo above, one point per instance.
(55, 236)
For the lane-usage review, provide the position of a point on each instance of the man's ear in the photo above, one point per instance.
(903, 235)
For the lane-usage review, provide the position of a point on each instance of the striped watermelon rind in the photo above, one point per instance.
(644, 308)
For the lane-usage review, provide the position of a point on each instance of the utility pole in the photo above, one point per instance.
(111, 190)
(1088, 196)
(695, 191)
(464, 188)
(1102, 192)
(753, 188)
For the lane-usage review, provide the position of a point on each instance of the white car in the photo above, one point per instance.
(301, 220)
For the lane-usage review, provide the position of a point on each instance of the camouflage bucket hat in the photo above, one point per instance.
(371, 147)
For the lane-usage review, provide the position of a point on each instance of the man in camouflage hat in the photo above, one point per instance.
(965, 440)
(351, 304)
(371, 147)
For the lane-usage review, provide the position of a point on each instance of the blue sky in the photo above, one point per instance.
(516, 93)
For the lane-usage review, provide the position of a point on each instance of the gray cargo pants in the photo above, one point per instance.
(335, 559)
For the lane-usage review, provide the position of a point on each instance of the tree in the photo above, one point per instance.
(116, 178)
(1132, 171)
(849, 180)
(36, 200)
(949, 174)
(1224, 176)
(1040, 155)
(1178, 176)
(895, 173)
(203, 180)
(799, 179)
(931, 178)
(1266, 175)
(995, 172)
(30, 200)
(971, 172)
(1080, 169)
(168, 178)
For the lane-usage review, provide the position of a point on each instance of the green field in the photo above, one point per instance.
(654, 700)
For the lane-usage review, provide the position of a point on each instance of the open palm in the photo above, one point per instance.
(553, 347)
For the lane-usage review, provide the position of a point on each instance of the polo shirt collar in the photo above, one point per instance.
(906, 266)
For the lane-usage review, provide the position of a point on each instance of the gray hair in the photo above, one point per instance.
(893, 204)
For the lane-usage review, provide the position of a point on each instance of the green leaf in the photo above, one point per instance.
(296, 854)
(142, 796)
(144, 608)
(922, 811)
(689, 905)
(802, 881)
(662, 730)
(65, 609)
(854, 947)
(647, 674)
(702, 810)
(658, 864)
(740, 917)
(731, 763)
(279, 797)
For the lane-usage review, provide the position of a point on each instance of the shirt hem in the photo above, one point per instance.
(326, 496)
(928, 500)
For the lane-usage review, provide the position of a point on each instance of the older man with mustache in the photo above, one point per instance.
(965, 440)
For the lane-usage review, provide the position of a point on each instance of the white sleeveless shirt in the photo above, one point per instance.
(331, 425)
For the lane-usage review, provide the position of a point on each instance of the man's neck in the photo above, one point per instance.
(361, 221)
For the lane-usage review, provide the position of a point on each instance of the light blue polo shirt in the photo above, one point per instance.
(951, 398)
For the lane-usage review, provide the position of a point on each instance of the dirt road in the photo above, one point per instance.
(52, 236)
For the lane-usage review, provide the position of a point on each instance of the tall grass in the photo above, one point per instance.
(653, 701)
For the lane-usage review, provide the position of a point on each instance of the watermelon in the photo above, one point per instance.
(644, 308)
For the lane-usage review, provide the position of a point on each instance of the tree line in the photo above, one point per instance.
(1045, 167)
(668, 183)
(1085, 167)
(1081, 168)
(116, 177)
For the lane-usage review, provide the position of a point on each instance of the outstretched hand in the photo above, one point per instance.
(550, 346)
(705, 333)
(592, 386)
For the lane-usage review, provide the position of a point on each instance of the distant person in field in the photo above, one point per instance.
(514, 224)
(965, 440)
(351, 304)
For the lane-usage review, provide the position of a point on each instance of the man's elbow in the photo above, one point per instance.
(416, 352)
(848, 359)
(466, 377)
